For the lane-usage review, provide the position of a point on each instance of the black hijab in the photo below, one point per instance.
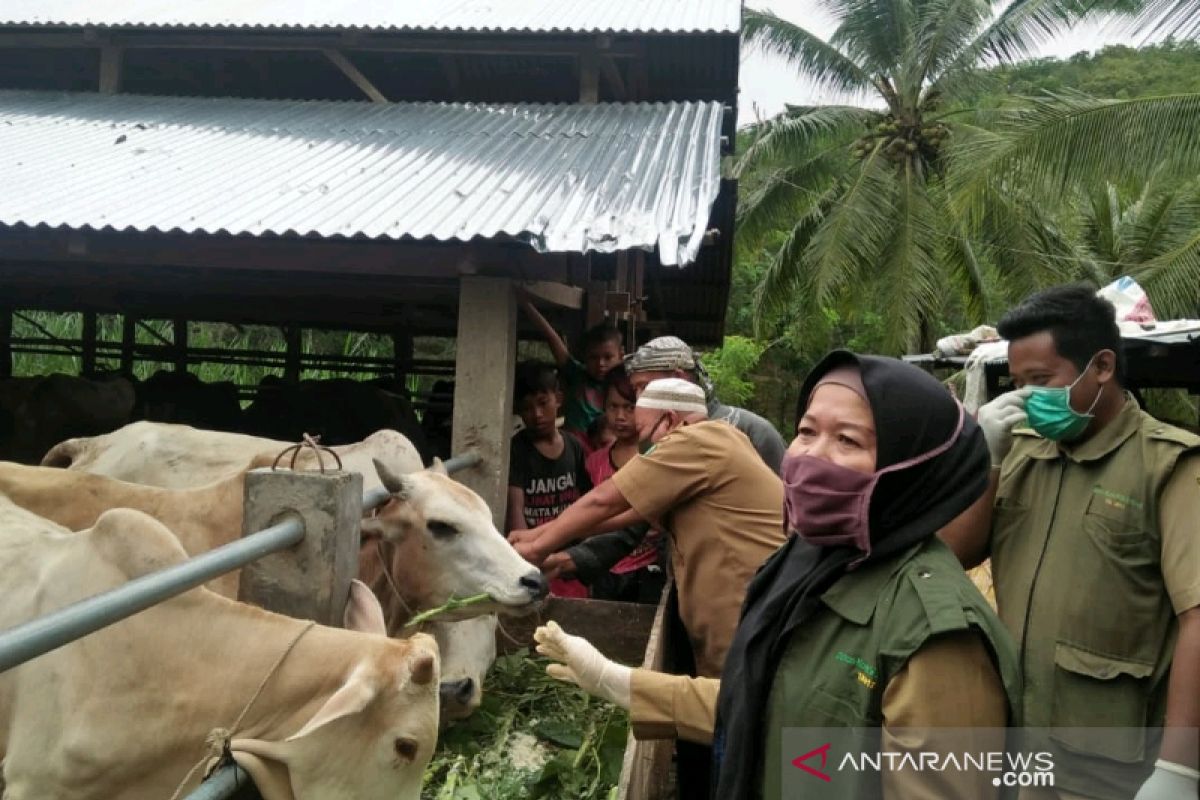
(913, 414)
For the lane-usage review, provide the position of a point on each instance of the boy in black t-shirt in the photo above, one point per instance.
(546, 472)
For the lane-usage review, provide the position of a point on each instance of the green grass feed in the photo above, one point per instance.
(533, 738)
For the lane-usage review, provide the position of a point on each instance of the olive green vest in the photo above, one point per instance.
(1076, 563)
(837, 665)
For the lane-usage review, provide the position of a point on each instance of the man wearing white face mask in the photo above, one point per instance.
(1095, 547)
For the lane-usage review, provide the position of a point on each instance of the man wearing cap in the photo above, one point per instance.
(670, 357)
(704, 484)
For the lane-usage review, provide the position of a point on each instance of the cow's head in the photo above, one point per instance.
(436, 540)
(372, 737)
(468, 649)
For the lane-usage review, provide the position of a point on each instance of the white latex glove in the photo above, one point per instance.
(583, 665)
(1169, 781)
(998, 418)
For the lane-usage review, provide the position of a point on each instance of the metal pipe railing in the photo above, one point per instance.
(222, 784)
(40, 636)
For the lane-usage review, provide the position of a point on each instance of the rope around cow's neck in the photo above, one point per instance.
(218, 739)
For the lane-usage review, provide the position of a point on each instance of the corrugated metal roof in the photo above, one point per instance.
(565, 178)
(530, 16)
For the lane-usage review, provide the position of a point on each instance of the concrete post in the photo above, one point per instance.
(485, 363)
(312, 579)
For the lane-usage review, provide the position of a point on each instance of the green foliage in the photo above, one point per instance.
(730, 364)
(533, 738)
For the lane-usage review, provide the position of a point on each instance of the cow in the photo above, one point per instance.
(41, 411)
(468, 650)
(339, 410)
(182, 457)
(436, 534)
(124, 713)
(182, 397)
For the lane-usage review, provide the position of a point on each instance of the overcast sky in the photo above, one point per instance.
(768, 83)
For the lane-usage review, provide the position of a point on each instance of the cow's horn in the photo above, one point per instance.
(437, 467)
(391, 481)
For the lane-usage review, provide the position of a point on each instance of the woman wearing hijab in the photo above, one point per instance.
(863, 619)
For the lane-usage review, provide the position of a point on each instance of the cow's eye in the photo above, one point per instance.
(442, 529)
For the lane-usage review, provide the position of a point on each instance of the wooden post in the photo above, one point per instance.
(295, 347)
(347, 68)
(597, 302)
(6, 356)
(402, 354)
(110, 69)
(589, 77)
(88, 341)
(181, 344)
(128, 339)
(311, 580)
(484, 375)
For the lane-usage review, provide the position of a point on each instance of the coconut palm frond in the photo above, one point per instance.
(1177, 18)
(1061, 139)
(1016, 32)
(877, 34)
(789, 136)
(784, 283)
(817, 59)
(910, 267)
(856, 229)
(780, 196)
(945, 29)
(1172, 279)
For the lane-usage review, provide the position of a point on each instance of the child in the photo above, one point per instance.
(583, 382)
(600, 433)
(546, 472)
(626, 565)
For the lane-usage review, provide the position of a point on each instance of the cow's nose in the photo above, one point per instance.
(536, 584)
(458, 692)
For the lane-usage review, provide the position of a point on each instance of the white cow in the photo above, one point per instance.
(468, 649)
(182, 457)
(438, 534)
(123, 714)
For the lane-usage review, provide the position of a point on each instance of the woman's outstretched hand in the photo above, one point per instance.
(583, 665)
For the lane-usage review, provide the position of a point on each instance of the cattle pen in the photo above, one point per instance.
(400, 173)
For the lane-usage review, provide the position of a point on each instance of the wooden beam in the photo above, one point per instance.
(402, 353)
(6, 357)
(453, 76)
(87, 339)
(181, 344)
(597, 299)
(612, 74)
(589, 77)
(532, 45)
(484, 375)
(290, 255)
(357, 78)
(555, 294)
(294, 337)
(128, 340)
(111, 57)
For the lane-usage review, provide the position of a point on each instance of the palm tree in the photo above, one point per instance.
(863, 190)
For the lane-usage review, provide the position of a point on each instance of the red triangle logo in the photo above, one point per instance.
(823, 752)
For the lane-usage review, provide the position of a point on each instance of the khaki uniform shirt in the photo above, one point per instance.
(707, 487)
(1095, 550)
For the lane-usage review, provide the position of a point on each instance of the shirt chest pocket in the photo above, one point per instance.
(1115, 603)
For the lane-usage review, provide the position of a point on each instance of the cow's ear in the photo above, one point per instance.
(391, 481)
(363, 612)
(351, 698)
(437, 467)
